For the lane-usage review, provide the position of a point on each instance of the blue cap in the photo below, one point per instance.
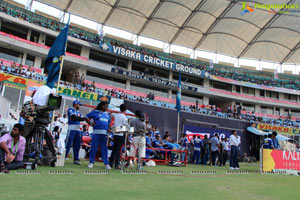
(77, 102)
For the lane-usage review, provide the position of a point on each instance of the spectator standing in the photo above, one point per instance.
(138, 139)
(224, 151)
(215, 145)
(205, 150)
(235, 141)
(191, 149)
(119, 138)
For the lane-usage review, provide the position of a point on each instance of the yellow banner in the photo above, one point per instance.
(78, 94)
(279, 129)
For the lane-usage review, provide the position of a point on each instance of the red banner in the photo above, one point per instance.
(280, 160)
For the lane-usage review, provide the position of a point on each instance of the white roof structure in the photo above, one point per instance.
(213, 25)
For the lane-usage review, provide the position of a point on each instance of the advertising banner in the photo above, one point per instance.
(152, 79)
(278, 129)
(82, 94)
(31, 86)
(155, 60)
(280, 160)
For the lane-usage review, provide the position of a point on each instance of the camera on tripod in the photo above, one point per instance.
(43, 154)
(53, 102)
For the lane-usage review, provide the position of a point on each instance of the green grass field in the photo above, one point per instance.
(152, 185)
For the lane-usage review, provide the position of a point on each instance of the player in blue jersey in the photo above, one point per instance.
(275, 140)
(101, 128)
(74, 133)
(197, 149)
(85, 131)
(184, 145)
(268, 142)
(149, 152)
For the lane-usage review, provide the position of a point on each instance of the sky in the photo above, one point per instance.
(216, 58)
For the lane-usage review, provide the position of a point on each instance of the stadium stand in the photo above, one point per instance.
(288, 81)
(212, 110)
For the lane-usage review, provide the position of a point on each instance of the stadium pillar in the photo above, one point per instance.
(24, 58)
(281, 110)
(206, 83)
(37, 62)
(170, 94)
(205, 100)
(85, 52)
(233, 89)
(257, 108)
(29, 34)
(281, 96)
(129, 65)
(170, 76)
(42, 38)
(82, 71)
(257, 92)
(127, 85)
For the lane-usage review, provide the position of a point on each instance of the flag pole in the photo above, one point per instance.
(178, 123)
(57, 88)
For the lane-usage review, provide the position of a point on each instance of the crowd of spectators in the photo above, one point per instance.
(94, 38)
(48, 23)
(20, 70)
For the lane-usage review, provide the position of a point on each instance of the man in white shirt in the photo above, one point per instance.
(119, 138)
(224, 150)
(235, 141)
(63, 120)
(57, 128)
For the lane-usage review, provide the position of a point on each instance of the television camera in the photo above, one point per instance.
(40, 145)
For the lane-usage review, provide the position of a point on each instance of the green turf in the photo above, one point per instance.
(152, 185)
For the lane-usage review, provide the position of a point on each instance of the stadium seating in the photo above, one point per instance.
(120, 93)
(254, 76)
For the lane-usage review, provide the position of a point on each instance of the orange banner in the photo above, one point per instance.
(13, 78)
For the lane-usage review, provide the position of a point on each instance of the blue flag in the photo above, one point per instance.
(54, 57)
(178, 96)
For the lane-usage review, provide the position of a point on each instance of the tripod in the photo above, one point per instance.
(35, 145)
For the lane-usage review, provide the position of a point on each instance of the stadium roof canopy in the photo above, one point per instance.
(213, 25)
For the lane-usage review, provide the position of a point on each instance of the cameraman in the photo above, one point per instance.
(29, 113)
(74, 133)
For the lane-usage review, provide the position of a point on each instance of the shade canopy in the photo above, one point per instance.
(212, 25)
